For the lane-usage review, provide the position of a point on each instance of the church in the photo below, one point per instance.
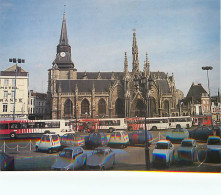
(74, 94)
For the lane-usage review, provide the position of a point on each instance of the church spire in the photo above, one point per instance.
(135, 52)
(64, 36)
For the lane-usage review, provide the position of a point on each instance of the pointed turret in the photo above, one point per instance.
(135, 53)
(64, 35)
(63, 56)
(125, 63)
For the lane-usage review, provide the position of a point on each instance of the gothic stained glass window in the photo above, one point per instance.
(85, 107)
(102, 107)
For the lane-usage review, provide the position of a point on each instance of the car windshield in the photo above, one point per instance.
(99, 151)
(66, 154)
(187, 144)
(214, 142)
(162, 146)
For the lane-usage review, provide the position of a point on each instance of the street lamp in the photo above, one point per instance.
(14, 60)
(145, 88)
(208, 68)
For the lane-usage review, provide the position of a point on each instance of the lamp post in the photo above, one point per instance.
(145, 85)
(207, 68)
(14, 60)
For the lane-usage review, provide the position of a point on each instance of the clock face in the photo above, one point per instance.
(62, 54)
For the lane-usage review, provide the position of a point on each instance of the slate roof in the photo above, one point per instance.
(104, 75)
(100, 85)
(163, 85)
(11, 71)
(196, 91)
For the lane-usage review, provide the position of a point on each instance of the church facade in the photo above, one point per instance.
(74, 94)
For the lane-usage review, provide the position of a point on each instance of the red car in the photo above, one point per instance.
(7, 162)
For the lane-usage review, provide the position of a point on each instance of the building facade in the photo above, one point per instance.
(37, 105)
(14, 93)
(74, 94)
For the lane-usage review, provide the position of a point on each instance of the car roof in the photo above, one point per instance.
(73, 148)
(49, 134)
(118, 131)
(214, 137)
(188, 140)
(163, 141)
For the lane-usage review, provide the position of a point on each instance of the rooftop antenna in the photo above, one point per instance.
(64, 8)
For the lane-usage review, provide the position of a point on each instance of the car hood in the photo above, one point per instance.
(214, 147)
(62, 163)
(96, 160)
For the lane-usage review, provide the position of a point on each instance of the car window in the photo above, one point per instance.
(162, 146)
(47, 138)
(54, 137)
(214, 142)
(182, 130)
(66, 154)
(118, 135)
(79, 151)
(99, 151)
(175, 131)
(187, 144)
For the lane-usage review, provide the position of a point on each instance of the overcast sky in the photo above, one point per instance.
(180, 36)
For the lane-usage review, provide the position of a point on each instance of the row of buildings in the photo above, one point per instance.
(74, 94)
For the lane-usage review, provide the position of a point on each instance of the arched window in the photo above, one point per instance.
(119, 108)
(68, 108)
(85, 107)
(140, 108)
(166, 107)
(102, 107)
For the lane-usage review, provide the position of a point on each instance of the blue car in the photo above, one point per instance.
(201, 133)
(70, 159)
(177, 135)
(188, 151)
(138, 137)
(95, 140)
(214, 149)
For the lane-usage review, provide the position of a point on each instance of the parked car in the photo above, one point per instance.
(48, 143)
(138, 137)
(217, 130)
(102, 158)
(200, 133)
(163, 154)
(70, 159)
(188, 151)
(177, 135)
(119, 139)
(72, 139)
(65, 131)
(95, 140)
(7, 162)
(214, 149)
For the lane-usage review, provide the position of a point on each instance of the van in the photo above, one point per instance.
(48, 143)
(119, 139)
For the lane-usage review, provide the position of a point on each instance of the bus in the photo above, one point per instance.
(100, 125)
(159, 123)
(151, 123)
(27, 127)
(201, 120)
(180, 122)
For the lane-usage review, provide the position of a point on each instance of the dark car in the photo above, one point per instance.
(216, 130)
(7, 162)
(94, 140)
(102, 158)
(201, 133)
(138, 137)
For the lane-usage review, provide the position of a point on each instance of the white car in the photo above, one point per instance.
(48, 143)
(65, 131)
(163, 154)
